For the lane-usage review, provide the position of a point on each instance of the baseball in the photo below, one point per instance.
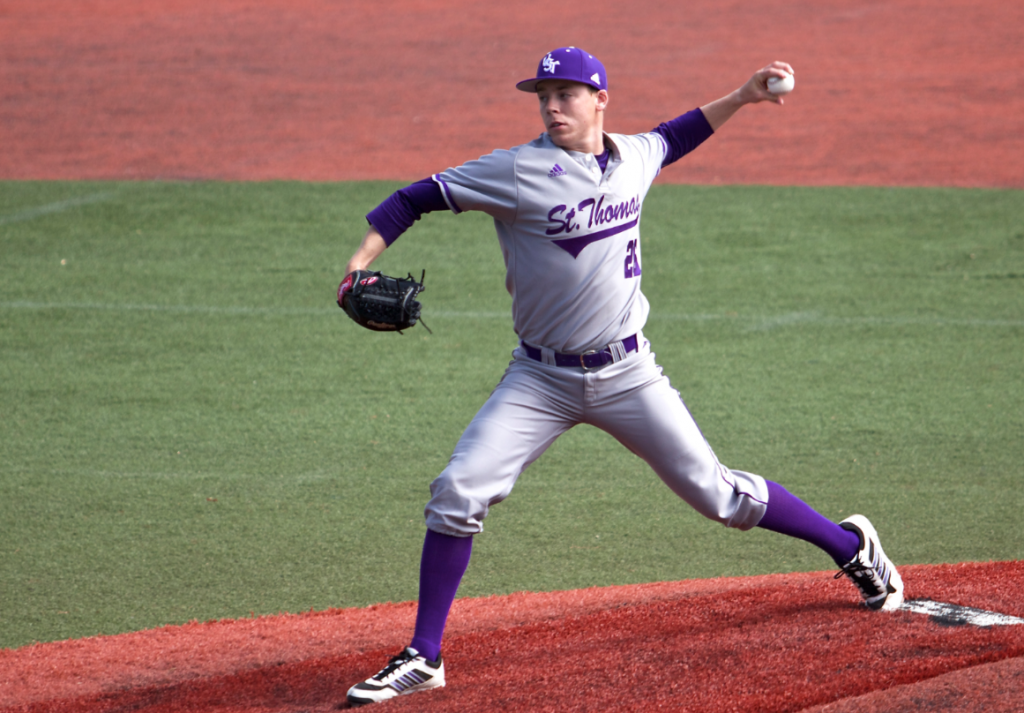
(781, 85)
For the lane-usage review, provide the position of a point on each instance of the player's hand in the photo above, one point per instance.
(756, 88)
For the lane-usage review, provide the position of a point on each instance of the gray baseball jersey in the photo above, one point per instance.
(570, 236)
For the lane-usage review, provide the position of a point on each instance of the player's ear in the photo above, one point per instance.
(602, 99)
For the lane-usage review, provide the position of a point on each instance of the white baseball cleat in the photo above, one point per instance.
(409, 672)
(870, 570)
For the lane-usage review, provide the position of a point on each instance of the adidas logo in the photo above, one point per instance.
(557, 171)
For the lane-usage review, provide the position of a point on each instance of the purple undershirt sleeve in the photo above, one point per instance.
(404, 207)
(683, 134)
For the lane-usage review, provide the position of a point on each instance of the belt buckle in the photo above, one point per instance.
(588, 353)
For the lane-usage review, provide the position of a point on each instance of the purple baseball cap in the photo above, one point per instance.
(569, 63)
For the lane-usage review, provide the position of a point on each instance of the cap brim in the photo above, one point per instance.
(530, 85)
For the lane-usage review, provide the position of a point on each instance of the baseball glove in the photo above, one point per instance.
(379, 302)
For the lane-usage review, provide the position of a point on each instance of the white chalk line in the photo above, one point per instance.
(192, 309)
(58, 207)
(955, 615)
(751, 323)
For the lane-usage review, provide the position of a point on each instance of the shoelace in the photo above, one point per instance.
(393, 664)
(855, 568)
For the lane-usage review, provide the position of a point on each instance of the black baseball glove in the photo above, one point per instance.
(379, 302)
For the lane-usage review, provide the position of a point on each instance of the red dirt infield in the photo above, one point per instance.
(773, 643)
(904, 92)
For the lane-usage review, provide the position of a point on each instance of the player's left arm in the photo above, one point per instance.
(387, 222)
(393, 217)
(372, 247)
(755, 90)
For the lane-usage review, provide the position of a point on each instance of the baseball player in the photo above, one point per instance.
(567, 209)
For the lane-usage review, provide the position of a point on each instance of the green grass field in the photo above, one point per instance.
(191, 429)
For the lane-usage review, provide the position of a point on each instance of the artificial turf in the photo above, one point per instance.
(191, 429)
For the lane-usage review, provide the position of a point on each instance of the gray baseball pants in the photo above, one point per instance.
(535, 403)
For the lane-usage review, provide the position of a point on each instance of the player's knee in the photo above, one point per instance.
(452, 508)
(477, 477)
(732, 498)
(740, 500)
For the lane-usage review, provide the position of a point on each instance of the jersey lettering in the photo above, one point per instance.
(601, 214)
(565, 225)
(597, 214)
(632, 259)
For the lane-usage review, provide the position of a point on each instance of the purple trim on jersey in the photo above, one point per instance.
(665, 145)
(602, 160)
(404, 207)
(449, 200)
(683, 134)
(574, 246)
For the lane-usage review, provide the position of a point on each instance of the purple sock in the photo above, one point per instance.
(444, 561)
(789, 515)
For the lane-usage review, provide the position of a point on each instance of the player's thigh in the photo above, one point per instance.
(654, 423)
(518, 422)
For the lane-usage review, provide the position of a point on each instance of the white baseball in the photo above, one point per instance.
(781, 85)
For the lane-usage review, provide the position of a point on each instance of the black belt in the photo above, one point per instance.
(588, 360)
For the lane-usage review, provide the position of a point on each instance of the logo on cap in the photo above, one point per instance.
(579, 67)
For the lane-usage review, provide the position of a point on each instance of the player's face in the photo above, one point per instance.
(572, 113)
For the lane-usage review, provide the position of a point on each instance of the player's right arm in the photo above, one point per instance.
(755, 90)
(685, 133)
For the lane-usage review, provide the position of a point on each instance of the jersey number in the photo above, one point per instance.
(632, 260)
